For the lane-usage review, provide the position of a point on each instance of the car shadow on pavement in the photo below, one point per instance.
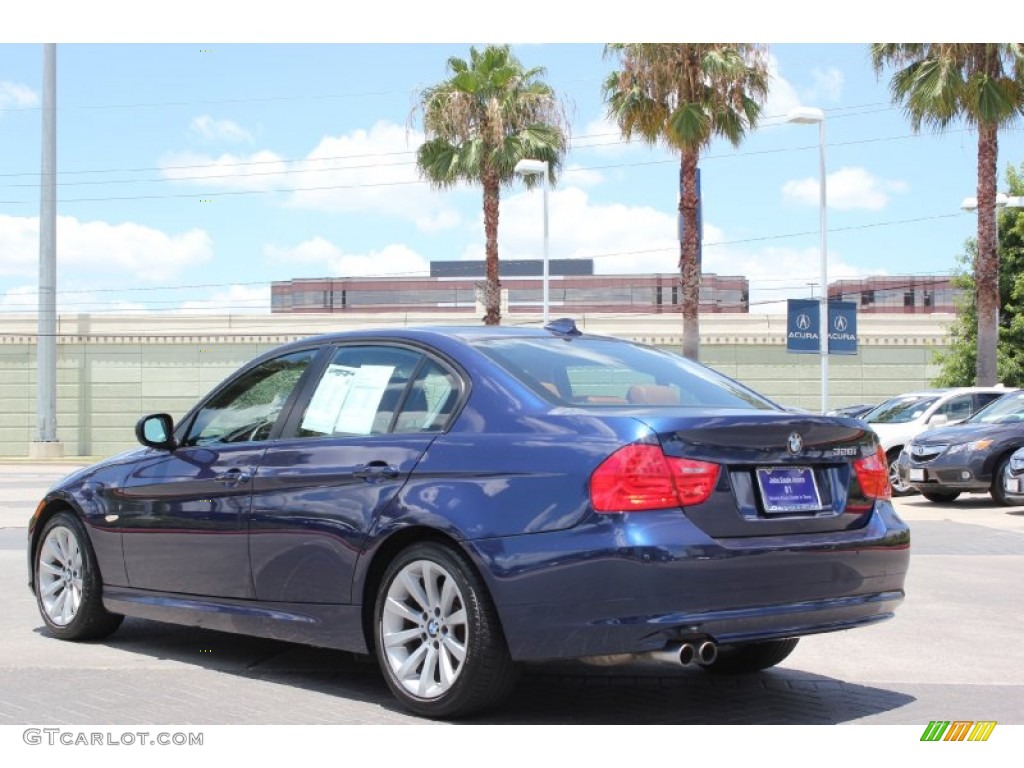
(555, 693)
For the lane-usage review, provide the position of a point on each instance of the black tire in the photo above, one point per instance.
(437, 609)
(68, 587)
(941, 497)
(751, 657)
(899, 488)
(998, 491)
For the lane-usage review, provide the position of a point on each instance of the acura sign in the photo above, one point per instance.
(803, 325)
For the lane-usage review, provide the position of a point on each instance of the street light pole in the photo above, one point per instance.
(808, 115)
(46, 443)
(540, 168)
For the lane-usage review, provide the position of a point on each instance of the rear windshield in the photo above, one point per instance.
(900, 410)
(606, 372)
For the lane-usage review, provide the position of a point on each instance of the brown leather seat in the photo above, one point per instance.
(652, 394)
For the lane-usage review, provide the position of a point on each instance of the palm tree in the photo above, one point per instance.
(490, 114)
(983, 84)
(684, 95)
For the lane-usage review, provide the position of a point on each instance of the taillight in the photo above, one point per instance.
(642, 477)
(873, 476)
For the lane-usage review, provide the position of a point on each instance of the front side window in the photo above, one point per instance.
(248, 408)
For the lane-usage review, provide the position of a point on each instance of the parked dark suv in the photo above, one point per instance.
(971, 457)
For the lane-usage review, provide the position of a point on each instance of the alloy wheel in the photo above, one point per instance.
(425, 629)
(60, 575)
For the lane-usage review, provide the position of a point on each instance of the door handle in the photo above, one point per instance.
(375, 471)
(234, 477)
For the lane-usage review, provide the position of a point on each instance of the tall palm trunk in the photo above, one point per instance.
(492, 288)
(689, 269)
(986, 267)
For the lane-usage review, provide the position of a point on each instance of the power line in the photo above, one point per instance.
(362, 185)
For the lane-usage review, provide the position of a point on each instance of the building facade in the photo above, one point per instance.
(457, 286)
(895, 294)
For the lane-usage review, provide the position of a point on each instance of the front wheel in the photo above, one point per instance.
(899, 488)
(67, 582)
(437, 635)
(751, 657)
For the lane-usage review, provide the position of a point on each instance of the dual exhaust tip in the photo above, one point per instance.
(700, 653)
(691, 653)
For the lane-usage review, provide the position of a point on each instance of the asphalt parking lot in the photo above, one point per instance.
(953, 652)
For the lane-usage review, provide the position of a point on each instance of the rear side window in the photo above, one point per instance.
(607, 372)
(360, 391)
(376, 390)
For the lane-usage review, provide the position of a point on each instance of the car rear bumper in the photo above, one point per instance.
(638, 583)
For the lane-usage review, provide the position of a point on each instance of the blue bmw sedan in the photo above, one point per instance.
(457, 500)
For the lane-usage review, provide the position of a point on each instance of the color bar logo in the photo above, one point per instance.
(958, 730)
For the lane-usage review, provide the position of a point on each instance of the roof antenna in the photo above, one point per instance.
(563, 326)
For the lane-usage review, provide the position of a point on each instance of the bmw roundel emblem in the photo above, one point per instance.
(795, 444)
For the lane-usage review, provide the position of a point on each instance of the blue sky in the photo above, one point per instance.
(195, 173)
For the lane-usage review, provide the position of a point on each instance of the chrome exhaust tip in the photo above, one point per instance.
(687, 654)
(707, 652)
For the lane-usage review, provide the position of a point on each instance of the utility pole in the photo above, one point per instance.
(46, 444)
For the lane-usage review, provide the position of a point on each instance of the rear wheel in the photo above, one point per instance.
(68, 586)
(899, 488)
(437, 635)
(941, 497)
(751, 657)
(998, 490)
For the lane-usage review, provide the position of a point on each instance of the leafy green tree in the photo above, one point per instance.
(486, 117)
(958, 361)
(683, 95)
(983, 84)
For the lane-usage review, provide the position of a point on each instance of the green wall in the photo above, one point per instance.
(103, 388)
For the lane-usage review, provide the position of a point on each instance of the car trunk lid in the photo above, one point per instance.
(780, 473)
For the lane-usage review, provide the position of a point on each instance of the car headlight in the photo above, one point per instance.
(974, 445)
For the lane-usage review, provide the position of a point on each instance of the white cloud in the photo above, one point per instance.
(210, 129)
(602, 135)
(263, 170)
(611, 233)
(782, 96)
(16, 95)
(828, 84)
(362, 171)
(323, 256)
(581, 177)
(376, 171)
(236, 299)
(127, 249)
(846, 189)
(19, 245)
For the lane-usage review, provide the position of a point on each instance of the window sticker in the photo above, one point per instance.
(346, 399)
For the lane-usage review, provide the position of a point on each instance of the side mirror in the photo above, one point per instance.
(938, 420)
(156, 431)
